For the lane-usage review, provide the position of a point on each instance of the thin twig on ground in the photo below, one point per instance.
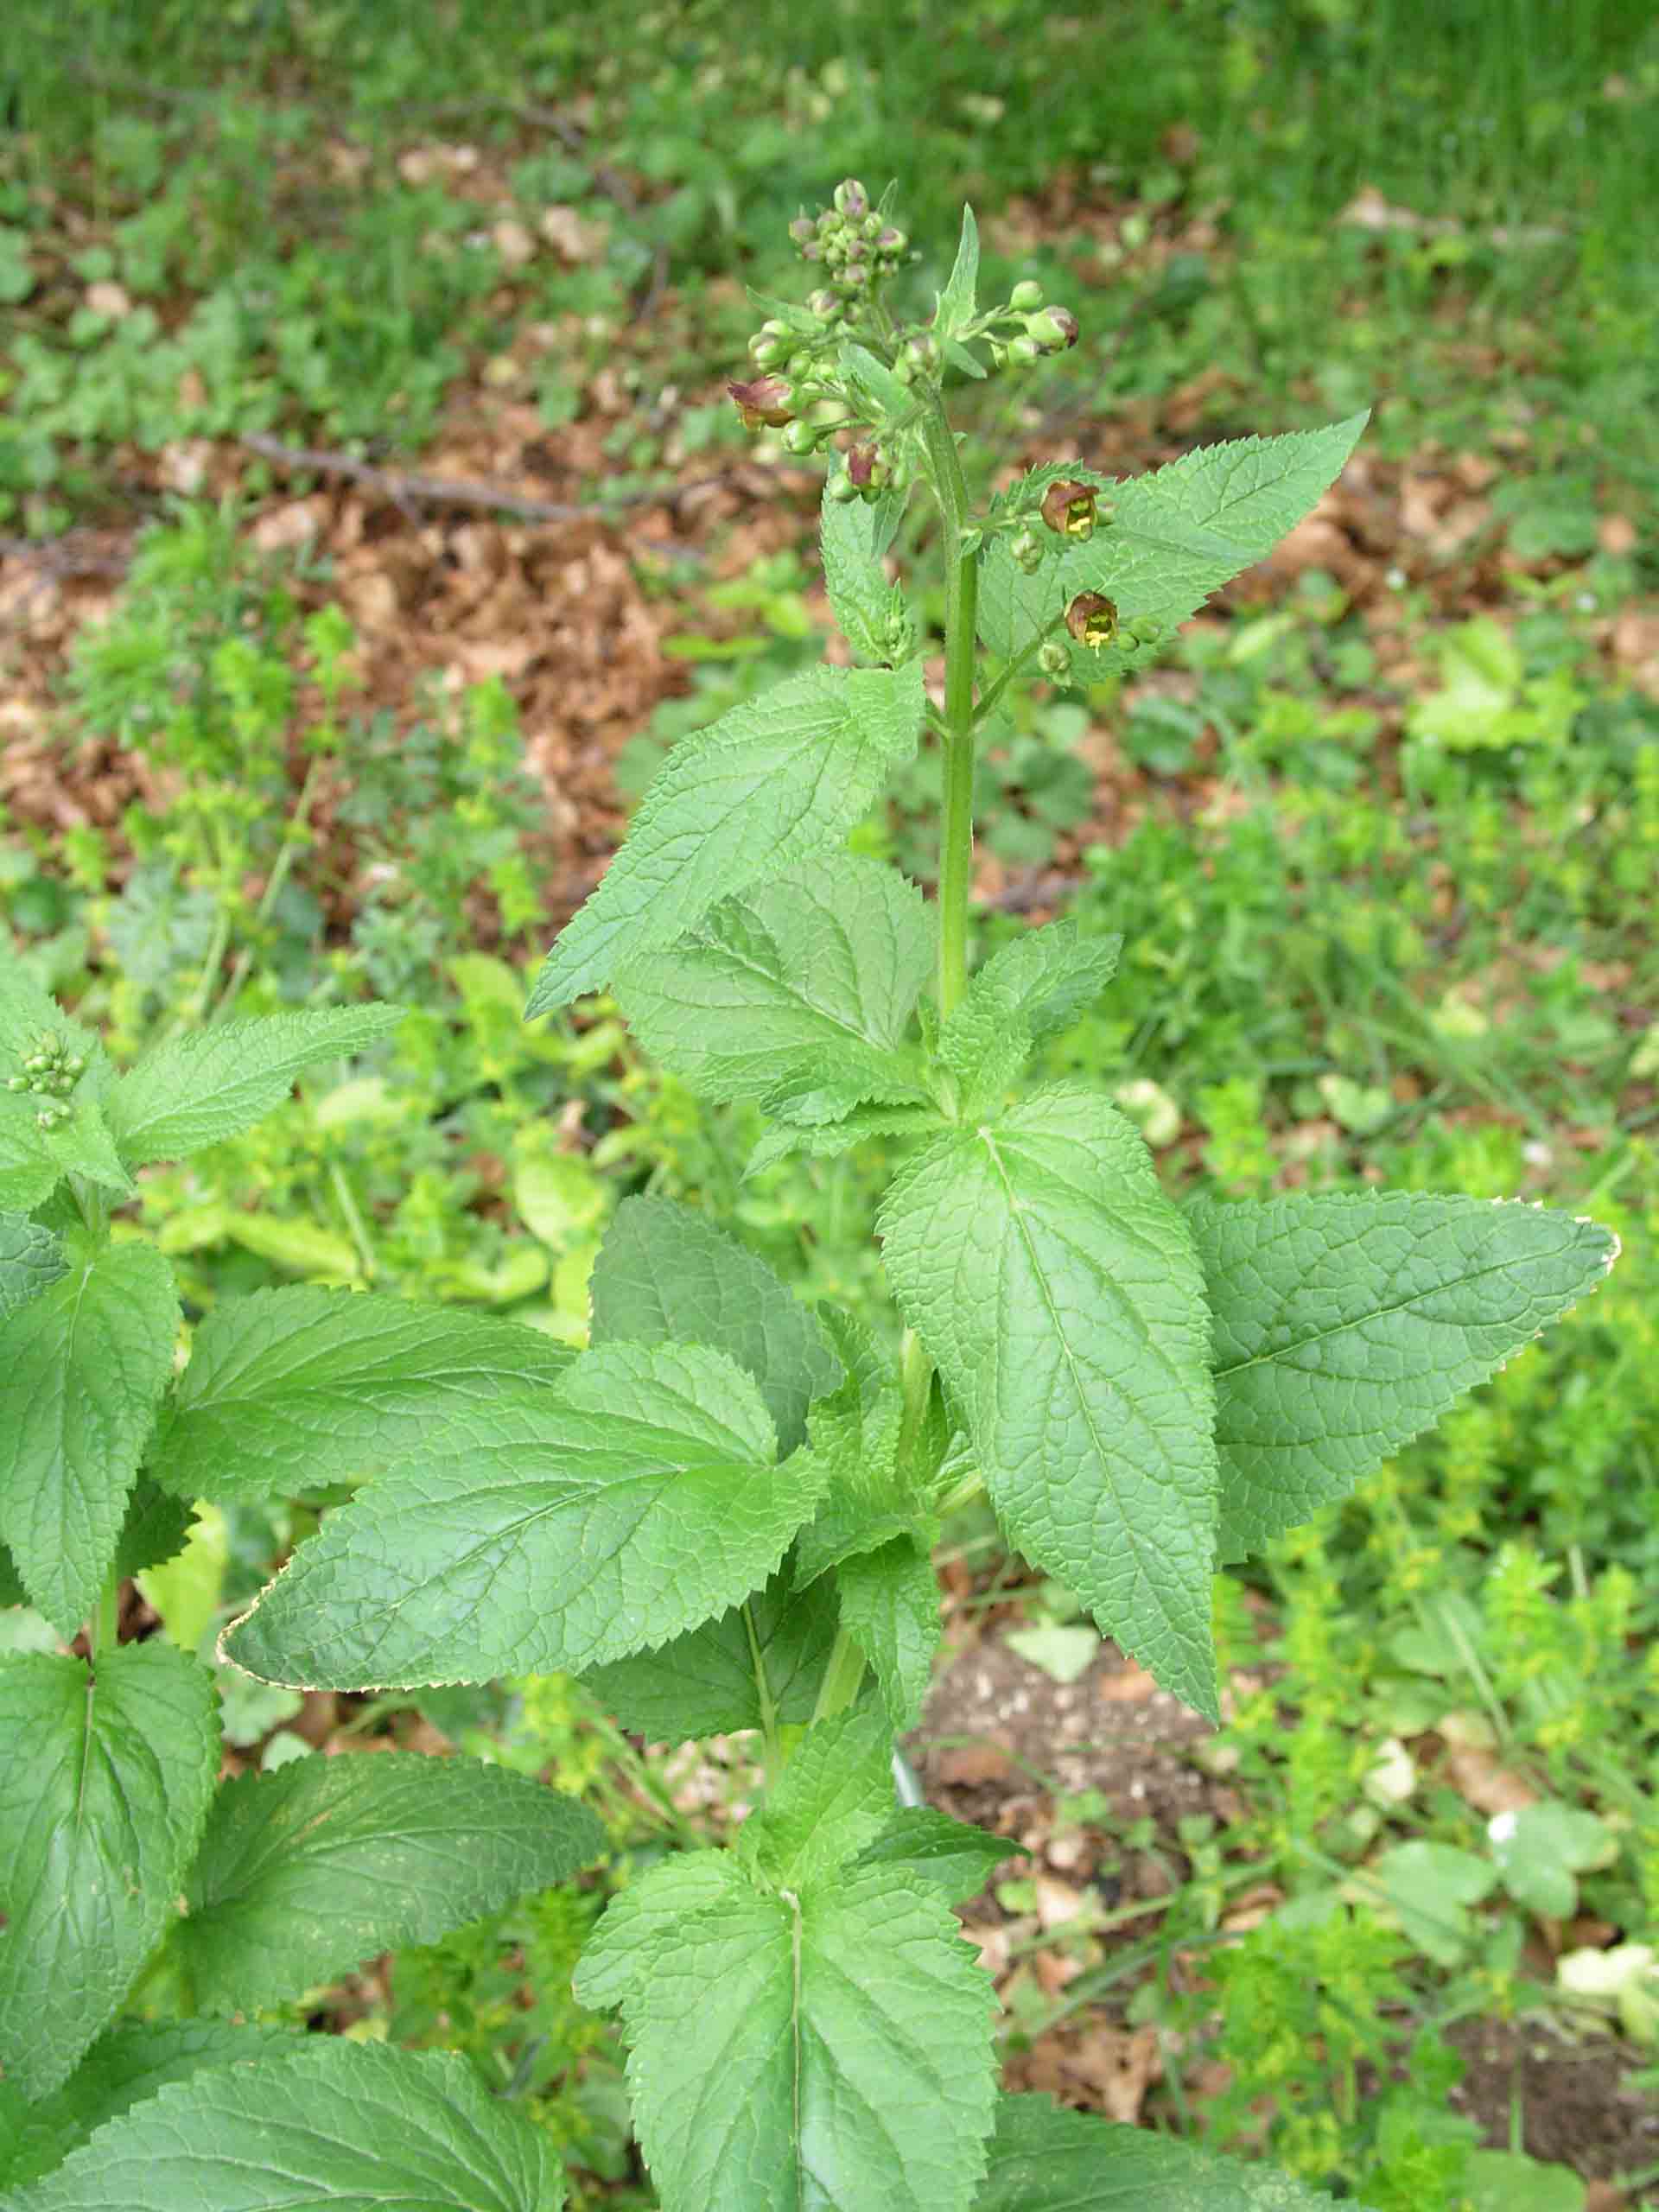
(458, 492)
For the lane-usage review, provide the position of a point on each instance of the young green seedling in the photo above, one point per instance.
(720, 1514)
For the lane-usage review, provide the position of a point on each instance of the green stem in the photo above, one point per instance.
(961, 595)
(916, 1375)
(774, 1750)
(1017, 667)
(107, 1622)
(843, 1678)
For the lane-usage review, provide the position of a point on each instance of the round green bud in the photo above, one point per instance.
(17, 1083)
(905, 369)
(842, 488)
(1054, 330)
(1146, 629)
(823, 304)
(1027, 550)
(75, 1064)
(803, 229)
(1025, 295)
(1024, 349)
(800, 437)
(891, 243)
(768, 353)
(851, 198)
(923, 350)
(37, 1064)
(1053, 660)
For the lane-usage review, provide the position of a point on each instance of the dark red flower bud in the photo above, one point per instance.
(1068, 508)
(851, 198)
(862, 462)
(1092, 619)
(766, 400)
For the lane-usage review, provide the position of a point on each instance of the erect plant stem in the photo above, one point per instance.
(961, 589)
(843, 1678)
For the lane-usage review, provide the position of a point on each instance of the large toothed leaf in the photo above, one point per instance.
(709, 1682)
(775, 781)
(826, 2049)
(104, 1787)
(1175, 536)
(667, 1275)
(1032, 988)
(121, 2069)
(304, 1873)
(338, 2126)
(871, 612)
(82, 1369)
(33, 1161)
(537, 1534)
(302, 1387)
(808, 980)
(1058, 1291)
(835, 1796)
(1045, 2158)
(890, 1607)
(959, 1859)
(31, 1261)
(1345, 1323)
(211, 1083)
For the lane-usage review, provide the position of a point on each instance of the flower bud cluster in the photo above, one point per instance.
(854, 243)
(1028, 328)
(50, 1073)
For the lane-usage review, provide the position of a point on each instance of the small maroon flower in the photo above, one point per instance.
(1092, 619)
(1069, 507)
(763, 400)
(863, 464)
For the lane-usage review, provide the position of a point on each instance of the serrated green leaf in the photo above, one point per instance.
(830, 2049)
(211, 1083)
(33, 1160)
(835, 1796)
(557, 1532)
(1032, 990)
(121, 2069)
(866, 1504)
(618, 1960)
(304, 1873)
(156, 1528)
(959, 301)
(300, 1387)
(809, 979)
(1345, 1323)
(104, 1790)
(886, 396)
(1045, 2158)
(31, 1261)
(857, 1127)
(775, 781)
(890, 1607)
(82, 1369)
(1057, 1292)
(703, 1683)
(1175, 536)
(338, 2126)
(870, 612)
(960, 1859)
(666, 1274)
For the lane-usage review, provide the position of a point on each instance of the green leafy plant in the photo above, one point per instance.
(720, 1513)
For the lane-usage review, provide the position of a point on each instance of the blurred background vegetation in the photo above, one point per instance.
(1382, 835)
